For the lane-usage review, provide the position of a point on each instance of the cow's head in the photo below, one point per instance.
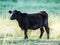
(15, 14)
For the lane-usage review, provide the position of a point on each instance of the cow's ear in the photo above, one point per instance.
(10, 12)
(19, 12)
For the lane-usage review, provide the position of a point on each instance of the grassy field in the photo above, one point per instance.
(10, 29)
(29, 42)
(10, 32)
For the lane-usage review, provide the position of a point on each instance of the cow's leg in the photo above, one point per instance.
(42, 31)
(25, 33)
(47, 31)
(46, 27)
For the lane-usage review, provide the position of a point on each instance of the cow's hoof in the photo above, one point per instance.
(26, 38)
(47, 38)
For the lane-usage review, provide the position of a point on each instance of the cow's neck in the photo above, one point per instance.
(20, 22)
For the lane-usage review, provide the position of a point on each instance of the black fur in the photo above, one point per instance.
(31, 21)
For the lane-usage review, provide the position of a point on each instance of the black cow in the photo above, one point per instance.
(31, 21)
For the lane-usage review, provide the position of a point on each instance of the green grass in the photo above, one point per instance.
(29, 42)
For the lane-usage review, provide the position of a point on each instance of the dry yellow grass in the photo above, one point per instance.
(10, 29)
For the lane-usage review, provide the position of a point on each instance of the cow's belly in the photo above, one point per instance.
(34, 27)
